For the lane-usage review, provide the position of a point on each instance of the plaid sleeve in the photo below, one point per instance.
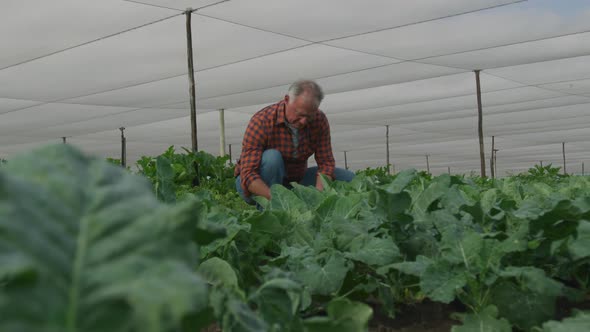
(323, 154)
(252, 149)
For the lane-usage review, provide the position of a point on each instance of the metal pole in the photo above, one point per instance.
(496, 162)
(221, 132)
(427, 165)
(191, 77)
(480, 125)
(230, 160)
(492, 160)
(582, 168)
(63, 139)
(387, 148)
(563, 151)
(345, 161)
(123, 147)
(449, 169)
(541, 163)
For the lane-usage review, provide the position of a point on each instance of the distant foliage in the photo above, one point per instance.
(546, 174)
(176, 174)
(114, 161)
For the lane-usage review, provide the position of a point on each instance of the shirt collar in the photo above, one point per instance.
(281, 112)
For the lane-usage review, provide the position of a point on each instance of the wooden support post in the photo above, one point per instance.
(563, 151)
(221, 132)
(492, 174)
(480, 125)
(123, 148)
(345, 161)
(191, 77)
(230, 158)
(427, 165)
(387, 148)
(495, 158)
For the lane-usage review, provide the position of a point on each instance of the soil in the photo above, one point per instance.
(424, 317)
(434, 317)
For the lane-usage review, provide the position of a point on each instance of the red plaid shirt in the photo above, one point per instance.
(268, 129)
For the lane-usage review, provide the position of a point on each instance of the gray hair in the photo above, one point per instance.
(299, 87)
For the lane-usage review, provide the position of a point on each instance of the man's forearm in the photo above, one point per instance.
(259, 188)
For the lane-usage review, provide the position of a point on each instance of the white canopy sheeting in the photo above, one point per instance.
(81, 69)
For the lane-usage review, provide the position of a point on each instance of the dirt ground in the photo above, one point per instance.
(424, 317)
(434, 317)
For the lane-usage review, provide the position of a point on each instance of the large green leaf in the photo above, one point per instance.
(233, 314)
(218, 273)
(387, 206)
(279, 301)
(580, 246)
(324, 278)
(437, 189)
(416, 268)
(465, 251)
(579, 322)
(534, 279)
(455, 199)
(522, 307)
(165, 188)
(91, 249)
(343, 316)
(555, 216)
(310, 195)
(373, 250)
(401, 181)
(484, 321)
(440, 281)
(345, 207)
(286, 200)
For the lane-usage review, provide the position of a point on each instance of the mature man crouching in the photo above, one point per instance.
(279, 140)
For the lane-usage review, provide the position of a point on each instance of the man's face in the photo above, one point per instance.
(301, 110)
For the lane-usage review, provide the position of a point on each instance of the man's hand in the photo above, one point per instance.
(259, 188)
(318, 182)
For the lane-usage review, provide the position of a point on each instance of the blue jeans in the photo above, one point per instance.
(272, 171)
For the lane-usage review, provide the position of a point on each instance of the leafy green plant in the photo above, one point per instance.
(176, 174)
(579, 322)
(543, 174)
(379, 172)
(411, 236)
(87, 247)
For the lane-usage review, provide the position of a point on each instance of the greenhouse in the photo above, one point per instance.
(465, 122)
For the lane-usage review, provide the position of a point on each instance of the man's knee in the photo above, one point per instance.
(272, 167)
(272, 159)
(341, 174)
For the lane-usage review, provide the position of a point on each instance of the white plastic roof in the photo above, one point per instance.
(82, 69)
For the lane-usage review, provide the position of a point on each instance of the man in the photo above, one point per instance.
(280, 138)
